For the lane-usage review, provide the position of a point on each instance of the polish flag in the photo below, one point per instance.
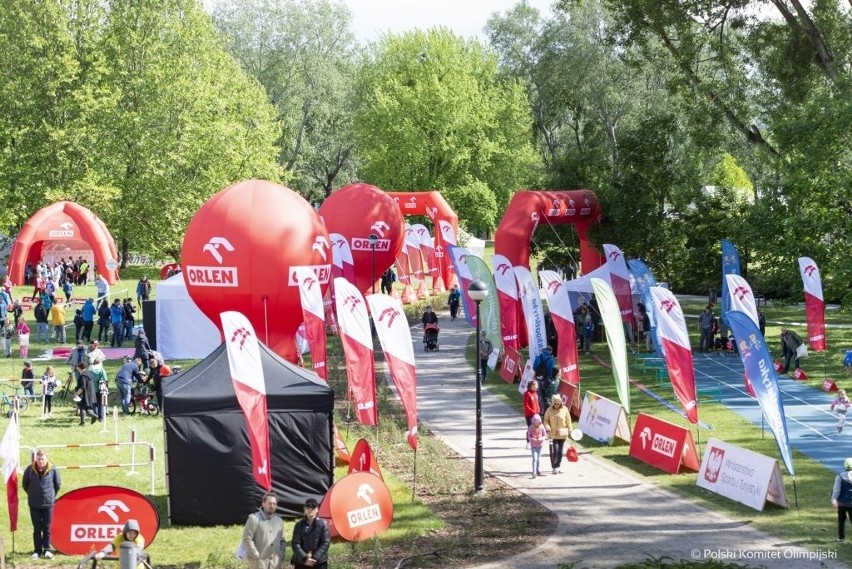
(559, 303)
(671, 329)
(250, 387)
(313, 312)
(395, 336)
(10, 451)
(507, 294)
(620, 279)
(357, 343)
(814, 303)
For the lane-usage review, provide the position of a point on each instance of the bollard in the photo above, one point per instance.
(129, 555)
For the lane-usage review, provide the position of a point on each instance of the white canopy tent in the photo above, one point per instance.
(183, 331)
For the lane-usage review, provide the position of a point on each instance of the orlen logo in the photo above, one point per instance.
(663, 445)
(199, 275)
(555, 205)
(411, 203)
(88, 518)
(364, 244)
(502, 268)
(572, 207)
(322, 273)
(715, 459)
(587, 207)
(740, 292)
(391, 313)
(361, 506)
(667, 306)
(379, 228)
(66, 229)
(320, 245)
(554, 286)
(809, 270)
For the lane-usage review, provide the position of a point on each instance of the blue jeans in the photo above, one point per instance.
(536, 460)
(41, 330)
(124, 395)
(117, 334)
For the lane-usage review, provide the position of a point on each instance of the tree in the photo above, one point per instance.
(433, 114)
(304, 55)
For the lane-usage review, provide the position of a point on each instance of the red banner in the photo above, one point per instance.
(357, 349)
(507, 294)
(314, 313)
(512, 365)
(363, 459)
(663, 445)
(814, 303)
(570, 394)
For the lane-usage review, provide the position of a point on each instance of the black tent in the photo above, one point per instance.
(208, 458)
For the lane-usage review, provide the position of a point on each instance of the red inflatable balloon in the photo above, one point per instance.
(357, 211)
(239, 251)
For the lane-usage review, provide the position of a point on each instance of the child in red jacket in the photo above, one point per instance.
(531, 404)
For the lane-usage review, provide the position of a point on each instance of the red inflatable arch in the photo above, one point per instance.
(527, 209)
(64, 223)
(444, 219)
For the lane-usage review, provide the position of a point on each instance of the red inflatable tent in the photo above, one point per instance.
(73, 228)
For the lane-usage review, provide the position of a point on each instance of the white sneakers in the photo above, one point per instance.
(34, 556)
(48, 555)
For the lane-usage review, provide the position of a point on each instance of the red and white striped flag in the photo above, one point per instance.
(357, 349)
(313, 312)
(507, 294)
(814, 303)
(395, 337)
(559, 303)
(250, 387)
(619, 277)
(10, 451)
(742, 299)
(671, 329)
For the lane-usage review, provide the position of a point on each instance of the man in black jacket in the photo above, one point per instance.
(311, 540)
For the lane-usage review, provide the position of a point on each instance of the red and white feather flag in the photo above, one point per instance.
(357, 349)
(559, 303)
(10, 451)
(671, 329)
(313, 312)
(250, 386)
(814, 303)
(395, 337)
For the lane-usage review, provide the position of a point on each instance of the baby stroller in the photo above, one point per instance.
(430, 337)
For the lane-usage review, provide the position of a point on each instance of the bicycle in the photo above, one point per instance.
(142, 400)
(7, 404)
(69, 386)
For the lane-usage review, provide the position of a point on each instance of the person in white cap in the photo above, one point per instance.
(841, 498)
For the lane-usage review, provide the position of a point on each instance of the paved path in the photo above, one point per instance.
(607, 516)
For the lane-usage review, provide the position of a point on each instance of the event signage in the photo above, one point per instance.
(359, 507)
(570, 394)
(527, 375)
(511, 366)
(603, 419)
(663, 445)
(86, 519)
(363, 459)
(741, 475)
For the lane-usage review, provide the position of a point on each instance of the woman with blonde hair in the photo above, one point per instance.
(557, 423)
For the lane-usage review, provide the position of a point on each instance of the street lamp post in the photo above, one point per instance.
(373, 240)
(478, 291)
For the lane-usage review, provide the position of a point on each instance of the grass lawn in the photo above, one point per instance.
(431, 491)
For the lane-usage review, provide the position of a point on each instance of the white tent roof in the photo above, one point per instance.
(183, 331)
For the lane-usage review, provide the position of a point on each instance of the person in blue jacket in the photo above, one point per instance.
(89, 312)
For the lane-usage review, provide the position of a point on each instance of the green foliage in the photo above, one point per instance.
(304, 56)
(434, 115)
(131, 109)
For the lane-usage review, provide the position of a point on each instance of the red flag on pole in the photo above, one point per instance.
(395, 337)
(671, 328)
(250, 387)
(559, 304)
(357, 349)
(814, 303)
(314, 314)
(10, 451)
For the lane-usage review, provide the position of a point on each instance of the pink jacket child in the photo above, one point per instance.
(536, 435)
(23, 339)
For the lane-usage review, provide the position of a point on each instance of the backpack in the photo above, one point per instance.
(845, 496)
(485, 348)
(543, 367)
